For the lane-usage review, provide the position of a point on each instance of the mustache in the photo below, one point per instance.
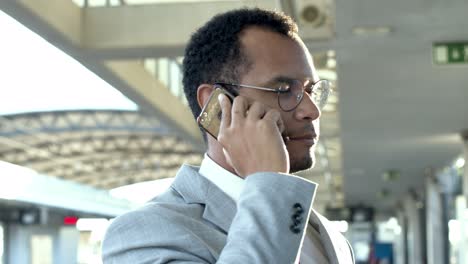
(308, 129)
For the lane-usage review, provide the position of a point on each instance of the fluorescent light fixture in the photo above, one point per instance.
(460, 163)
(372, 30)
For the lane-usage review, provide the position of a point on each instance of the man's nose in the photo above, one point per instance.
(307, 109)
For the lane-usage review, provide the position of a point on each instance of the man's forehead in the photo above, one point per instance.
(273, 54)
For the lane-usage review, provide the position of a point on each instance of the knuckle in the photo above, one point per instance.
(262, 124)
(221, 137)
(241, 98)
(237, 112)
(259, 105)
(238, 100)
(274, 111)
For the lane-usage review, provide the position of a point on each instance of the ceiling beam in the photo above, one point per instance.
(155, 30)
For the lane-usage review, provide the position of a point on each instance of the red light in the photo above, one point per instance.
(70, 220)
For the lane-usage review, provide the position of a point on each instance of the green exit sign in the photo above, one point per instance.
(450, 53)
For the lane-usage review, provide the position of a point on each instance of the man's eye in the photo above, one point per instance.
(283, 88)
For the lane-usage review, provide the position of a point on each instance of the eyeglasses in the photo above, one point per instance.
(291, 92)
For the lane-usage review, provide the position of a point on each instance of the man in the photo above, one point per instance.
(242, 205)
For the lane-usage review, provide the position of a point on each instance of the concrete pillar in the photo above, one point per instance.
(41, 244)
(19, 250)
(435, 212)
(460, 212)
(67, 246)
(2, 243)
(412, 211)
(401, 246)
(464, 136)
(461, 205)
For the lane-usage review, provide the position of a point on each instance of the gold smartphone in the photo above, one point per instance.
(210, 116)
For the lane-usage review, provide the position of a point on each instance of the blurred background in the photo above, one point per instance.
(93, 121)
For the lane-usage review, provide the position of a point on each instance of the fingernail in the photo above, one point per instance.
(220, 98)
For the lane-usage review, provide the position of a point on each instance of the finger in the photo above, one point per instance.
(225, 111)
(280, 124)
(274, 117)
(256, 111)
(239, 109)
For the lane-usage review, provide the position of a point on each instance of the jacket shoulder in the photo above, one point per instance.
(158, 225)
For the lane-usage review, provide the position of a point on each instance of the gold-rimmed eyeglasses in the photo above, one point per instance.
(291, 92)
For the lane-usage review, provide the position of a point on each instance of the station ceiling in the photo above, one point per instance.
(395, 111)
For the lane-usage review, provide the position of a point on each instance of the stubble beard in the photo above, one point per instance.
(302, 163)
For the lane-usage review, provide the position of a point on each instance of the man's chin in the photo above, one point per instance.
(300, 157)
(301, 164)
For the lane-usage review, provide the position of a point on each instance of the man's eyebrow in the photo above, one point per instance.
(285, 79)
(279, 79)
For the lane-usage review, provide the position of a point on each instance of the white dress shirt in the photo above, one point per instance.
(312, 252)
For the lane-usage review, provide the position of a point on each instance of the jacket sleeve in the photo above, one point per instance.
(269, 226)
(270, 223)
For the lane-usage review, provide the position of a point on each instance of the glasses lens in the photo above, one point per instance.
(290, 99)
(320, 93)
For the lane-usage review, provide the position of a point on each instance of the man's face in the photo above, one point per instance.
(272, 56)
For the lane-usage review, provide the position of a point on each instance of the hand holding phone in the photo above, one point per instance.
(210, 116)
(250, 134)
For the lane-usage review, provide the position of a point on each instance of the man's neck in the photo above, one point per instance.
(215, 152)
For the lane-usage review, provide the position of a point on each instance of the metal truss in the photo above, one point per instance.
(104, 149)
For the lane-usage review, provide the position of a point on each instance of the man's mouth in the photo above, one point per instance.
(307, 139)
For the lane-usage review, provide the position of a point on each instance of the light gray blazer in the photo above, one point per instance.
(195, 222)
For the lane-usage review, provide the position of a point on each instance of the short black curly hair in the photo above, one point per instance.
(214, 52)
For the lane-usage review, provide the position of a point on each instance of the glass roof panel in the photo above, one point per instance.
(37, 76)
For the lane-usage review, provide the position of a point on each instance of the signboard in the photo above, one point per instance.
(450, 53)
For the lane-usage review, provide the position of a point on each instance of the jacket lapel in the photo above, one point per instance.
(220, 209)
(335, 244)
(327, 242)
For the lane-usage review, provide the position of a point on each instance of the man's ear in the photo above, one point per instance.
(203, 94)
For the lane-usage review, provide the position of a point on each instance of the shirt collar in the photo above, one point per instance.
(228, 182)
